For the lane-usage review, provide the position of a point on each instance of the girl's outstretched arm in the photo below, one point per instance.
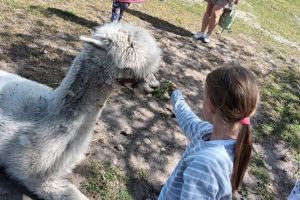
(188, 121)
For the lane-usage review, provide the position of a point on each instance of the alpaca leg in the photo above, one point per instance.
(56, 190)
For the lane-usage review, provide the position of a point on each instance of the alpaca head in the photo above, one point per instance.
(132, 52)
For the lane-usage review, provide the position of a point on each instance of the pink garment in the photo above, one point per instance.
(131, 1)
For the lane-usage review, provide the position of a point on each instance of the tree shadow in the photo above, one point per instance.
(137, 185)
(66, 15)
(161, 24)
(72, 17)
(32, 59)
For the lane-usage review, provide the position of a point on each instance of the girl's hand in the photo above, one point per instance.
(171, 87)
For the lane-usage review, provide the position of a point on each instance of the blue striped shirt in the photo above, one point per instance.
(295, 194)
(204, 171)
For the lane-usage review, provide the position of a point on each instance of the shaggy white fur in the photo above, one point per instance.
(44, 133)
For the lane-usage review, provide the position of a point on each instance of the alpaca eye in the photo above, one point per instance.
(131, 45)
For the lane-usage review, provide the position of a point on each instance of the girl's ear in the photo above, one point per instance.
(211, 106)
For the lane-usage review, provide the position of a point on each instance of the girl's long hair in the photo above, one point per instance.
(234, 91)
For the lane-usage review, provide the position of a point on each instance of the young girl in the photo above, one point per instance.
(214, 163)
(119, 6)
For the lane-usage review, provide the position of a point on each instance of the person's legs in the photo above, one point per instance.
(207, 14)
(205, 20)
(213, 21)
(214, 18)
(116, 11)
(124, 6)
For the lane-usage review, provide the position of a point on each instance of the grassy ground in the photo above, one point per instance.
(105, 181)
(280, 110)
(279, 120)
(279, 18)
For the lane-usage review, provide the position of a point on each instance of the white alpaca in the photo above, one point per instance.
(44, 133)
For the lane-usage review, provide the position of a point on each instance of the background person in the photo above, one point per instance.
(119, 6)
(211, 17)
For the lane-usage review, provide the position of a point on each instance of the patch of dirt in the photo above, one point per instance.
(142, 124)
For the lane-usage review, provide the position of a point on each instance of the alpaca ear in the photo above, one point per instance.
(100, 42)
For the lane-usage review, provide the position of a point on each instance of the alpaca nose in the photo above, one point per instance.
(155, 84)
(154, 87)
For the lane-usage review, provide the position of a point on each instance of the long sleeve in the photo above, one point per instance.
(188, 121)
(295, 194)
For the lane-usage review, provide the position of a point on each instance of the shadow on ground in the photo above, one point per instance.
(154, 141)
(65, 15)
(160, 24)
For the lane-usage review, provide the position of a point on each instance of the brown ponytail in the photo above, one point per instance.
(243, 151)
(234, 91)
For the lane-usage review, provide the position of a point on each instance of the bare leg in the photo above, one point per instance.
(56, 190)
(205, 20)
(214, 18)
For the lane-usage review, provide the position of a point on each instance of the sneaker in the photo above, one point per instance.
(199, 35)
(206, 39)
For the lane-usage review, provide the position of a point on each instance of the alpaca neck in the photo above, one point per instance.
(74, 109)
(85, 88)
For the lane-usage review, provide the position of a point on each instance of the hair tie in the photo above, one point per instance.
(245, 121)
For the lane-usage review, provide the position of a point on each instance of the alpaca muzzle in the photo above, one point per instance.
(127, 82)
